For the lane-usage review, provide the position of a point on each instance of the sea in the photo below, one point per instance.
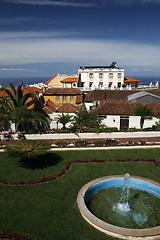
(26, 81)
(31, 80)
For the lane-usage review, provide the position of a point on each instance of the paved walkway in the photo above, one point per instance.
(95, 135)
(101, 148)
(106, 148)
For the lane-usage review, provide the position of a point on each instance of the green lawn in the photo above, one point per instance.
(48, 211)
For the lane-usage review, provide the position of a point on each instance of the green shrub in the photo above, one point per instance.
(111, 129)
(111, 142)
(62, 144)
(28, 148)
(81, 143)
(99, 143)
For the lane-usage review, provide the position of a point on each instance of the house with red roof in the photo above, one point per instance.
(134, 83)
(121, 115)
(54, 110)
(63, 95)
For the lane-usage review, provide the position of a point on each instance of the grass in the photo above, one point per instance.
(48, 211)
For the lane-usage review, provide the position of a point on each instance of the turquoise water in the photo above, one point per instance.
(144, 208)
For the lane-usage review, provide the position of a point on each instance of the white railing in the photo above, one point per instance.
(104, 88)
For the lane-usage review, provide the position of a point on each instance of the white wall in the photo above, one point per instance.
(53, 124)
(106, 80)
(134, 121)
(112, 121)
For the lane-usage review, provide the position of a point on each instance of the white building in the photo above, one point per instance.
(101, 77)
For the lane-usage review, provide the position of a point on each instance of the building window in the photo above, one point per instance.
(71, 98)
(110, 84)
(119, 75)
(64, 98)
(110, 75)
(119, 84)
(100, 84)
(57, 98)
(100, 75)
(90, 84)
(91, 75)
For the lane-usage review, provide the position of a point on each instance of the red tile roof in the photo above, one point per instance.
(26, 90)
(62, 91)
(50, 107)
(69, 80)
(79, 99)
(130, 79)
(32, 90)
(123, 108)
(113, 95)
(68, 108)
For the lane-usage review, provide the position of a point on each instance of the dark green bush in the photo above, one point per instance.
(111, 142)
(28, 148)
(81, 143)
(62, 144)
(99, 143)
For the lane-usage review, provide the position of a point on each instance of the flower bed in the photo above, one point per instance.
(14, 236)
(69, 163)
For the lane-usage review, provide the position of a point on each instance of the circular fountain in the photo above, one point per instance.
(122, 206)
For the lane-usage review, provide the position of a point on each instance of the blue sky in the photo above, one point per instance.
(40, 38)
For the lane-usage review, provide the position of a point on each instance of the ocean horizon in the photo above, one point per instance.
(31, 80)
(25, 80)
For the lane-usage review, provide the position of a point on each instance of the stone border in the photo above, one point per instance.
(109, 229)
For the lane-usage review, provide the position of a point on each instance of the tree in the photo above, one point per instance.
(64, 119)
(144, 112)
(87, 119)
(25, 110)
(16, 97)
(4, 120)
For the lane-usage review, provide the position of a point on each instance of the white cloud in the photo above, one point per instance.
(79, 3)
(62, 3)
(17, 70)
(30, 34)
(18, 20)
(20, 51)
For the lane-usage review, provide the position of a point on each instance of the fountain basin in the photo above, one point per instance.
(110, 182)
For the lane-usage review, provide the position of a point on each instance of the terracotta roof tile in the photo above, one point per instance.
(51, 107)
(32, 90)
(26, 90)
(79, 99)
(130, 79)
(123, 108)
(62, 91)
(119, 95)
(69, 80)
(68, 108)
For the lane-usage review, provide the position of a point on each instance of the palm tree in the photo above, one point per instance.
(25, 110)
(16, 97)
(64, 119)
(28, 148)
(143, 111)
